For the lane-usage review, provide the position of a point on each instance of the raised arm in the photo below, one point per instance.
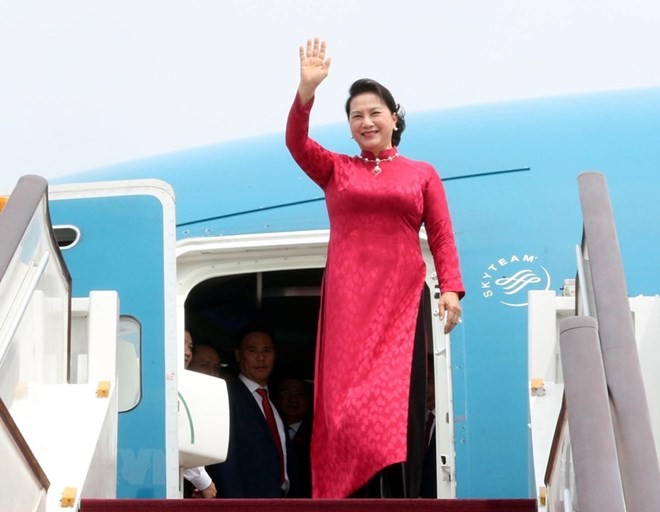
(315, 160)
(314, 68)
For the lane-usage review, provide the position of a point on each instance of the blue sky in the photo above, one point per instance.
(88, 83)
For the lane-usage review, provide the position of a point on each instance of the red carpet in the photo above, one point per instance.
(309, 505)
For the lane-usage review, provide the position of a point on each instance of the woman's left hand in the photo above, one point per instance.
(450, 310)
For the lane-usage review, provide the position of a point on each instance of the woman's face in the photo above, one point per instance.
(371, 122)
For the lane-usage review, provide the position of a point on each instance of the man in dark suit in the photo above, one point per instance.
(293, 400)
(256, 465)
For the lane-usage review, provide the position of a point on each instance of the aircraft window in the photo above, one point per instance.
(66, 236)
(129, 348)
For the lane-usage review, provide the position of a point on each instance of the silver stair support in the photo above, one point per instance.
(637, 456)
(597, 476)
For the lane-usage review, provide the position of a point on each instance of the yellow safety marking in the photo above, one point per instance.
(68, 497)
(103, 389)
(537, 384)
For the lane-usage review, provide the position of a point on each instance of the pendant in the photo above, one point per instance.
(377, 170)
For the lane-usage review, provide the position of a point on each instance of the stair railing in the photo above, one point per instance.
(33, 281)
(613, 449)
(637, 456)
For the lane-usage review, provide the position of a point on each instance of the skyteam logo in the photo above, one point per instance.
(509, 279)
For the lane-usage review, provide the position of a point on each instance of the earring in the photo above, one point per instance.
(396, 129)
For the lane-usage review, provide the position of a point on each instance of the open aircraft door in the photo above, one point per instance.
(121, 236)
(439, 346)
(242, 264)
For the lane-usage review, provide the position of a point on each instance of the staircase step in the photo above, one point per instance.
(286, 505)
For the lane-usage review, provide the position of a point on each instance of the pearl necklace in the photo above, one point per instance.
(377, 170)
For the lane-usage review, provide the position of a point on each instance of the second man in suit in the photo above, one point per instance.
(257, 465)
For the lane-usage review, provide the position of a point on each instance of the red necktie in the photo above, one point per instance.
(272, 424)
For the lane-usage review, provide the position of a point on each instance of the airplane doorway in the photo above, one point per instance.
(285, 301)
(224, 283)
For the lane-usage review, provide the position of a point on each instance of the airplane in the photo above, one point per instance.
(212, 236)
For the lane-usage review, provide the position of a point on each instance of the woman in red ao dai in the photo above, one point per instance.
(371, 358)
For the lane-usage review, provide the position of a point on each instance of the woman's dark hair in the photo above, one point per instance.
(367, 85)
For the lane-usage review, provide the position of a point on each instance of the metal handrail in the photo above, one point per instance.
(638, 460)
(23, 447)
(29, 199)
(30, 194)
(16, 216)
(602, 293)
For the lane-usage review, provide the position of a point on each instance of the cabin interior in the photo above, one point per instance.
(286, 302)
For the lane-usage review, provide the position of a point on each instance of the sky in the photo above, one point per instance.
(87, 83)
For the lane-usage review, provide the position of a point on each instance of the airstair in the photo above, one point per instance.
(586, 373)
(58, 419)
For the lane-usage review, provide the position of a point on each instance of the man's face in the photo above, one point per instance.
(205, 360)
(188, 348)
(256, 357)
(292, 399)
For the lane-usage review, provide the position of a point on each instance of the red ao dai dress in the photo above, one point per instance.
(371, 291)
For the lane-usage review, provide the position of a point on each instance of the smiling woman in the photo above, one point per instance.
(371, 352)
(373, 116)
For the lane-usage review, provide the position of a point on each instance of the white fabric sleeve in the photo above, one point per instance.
(198, 477)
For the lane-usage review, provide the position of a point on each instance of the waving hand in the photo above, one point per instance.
(314, 67)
